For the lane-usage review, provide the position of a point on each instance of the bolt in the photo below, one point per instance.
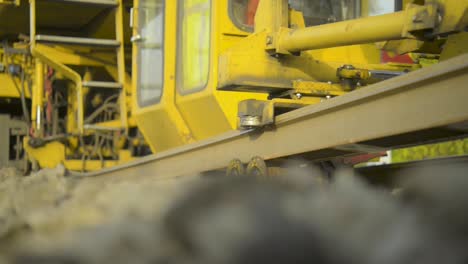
(417, 19)
(298, 95)
(329, 82)
(328, 97)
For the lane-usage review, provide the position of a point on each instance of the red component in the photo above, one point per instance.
(405, 59)
(48, 90)
(251, 11)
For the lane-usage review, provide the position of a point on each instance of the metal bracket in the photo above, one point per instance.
(350, 76)
(255, 113)
(420, 18)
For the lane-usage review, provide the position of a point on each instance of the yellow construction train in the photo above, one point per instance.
(96, 83)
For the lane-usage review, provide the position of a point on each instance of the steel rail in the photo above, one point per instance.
(426, 105)
(442, 161)
(389, 174)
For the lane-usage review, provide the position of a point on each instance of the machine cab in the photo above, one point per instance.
(203, 67)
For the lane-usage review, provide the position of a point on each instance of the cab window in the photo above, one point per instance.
(326, 11)
(315, 12)
(193, 50)
(150, 54)
(380, 7)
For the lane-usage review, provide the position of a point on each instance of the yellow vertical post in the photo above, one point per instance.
(38, 91)
(119, 34)
(271, 15)
(38, 98)
(32, 22)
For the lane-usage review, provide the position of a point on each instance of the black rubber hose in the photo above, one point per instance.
(21, 92)
(22, 97)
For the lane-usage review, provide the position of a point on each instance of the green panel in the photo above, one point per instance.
(452, 148)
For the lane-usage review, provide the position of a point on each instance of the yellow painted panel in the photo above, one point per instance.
(48, 156)
(456, 45)
(203, 115)
(7, 87)
(160, 129)
(368, 53)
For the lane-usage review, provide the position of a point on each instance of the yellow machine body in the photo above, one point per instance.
(200, 68)
(239, 63)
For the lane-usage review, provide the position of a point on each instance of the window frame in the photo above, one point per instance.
(179, 80)
(241, 26)
(153, 101)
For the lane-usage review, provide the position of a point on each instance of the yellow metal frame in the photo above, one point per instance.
(57, 58)
(61, 59)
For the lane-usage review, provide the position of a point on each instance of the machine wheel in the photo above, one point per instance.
(235, 168)
(257, 167)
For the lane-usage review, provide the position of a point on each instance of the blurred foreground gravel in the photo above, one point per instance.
(296, 218)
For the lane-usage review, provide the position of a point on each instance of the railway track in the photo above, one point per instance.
(423, 106)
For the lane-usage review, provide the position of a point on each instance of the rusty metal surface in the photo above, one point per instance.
(425, 105)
